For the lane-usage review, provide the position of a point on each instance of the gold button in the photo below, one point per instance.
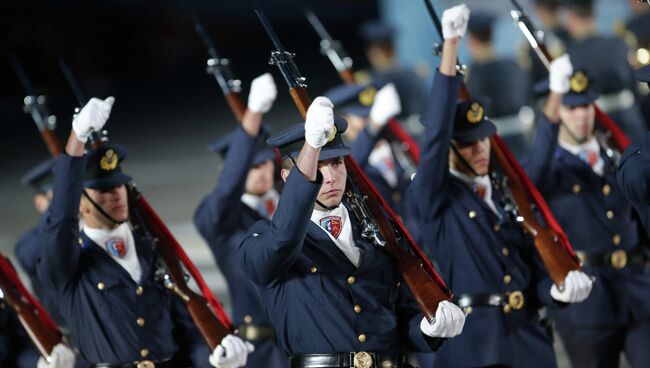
(471, 214)
(139, 290)
(140, 321)
(468, 310)
(616, 239)
(610, 214)
(314, 269)
(101, 286)
(398, 284)
(507, 279)
(606, 189)
(507, 308)
(576, 188)
(362, 338)
(357, 309)
(248, 319)
(144, 352)
(497, 227)
(505, 251)
(81, 241)
(352, 280)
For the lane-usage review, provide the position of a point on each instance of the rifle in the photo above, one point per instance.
(42, 331)
(418, 273)
(536, 40)
(205, 310)
(343, 64)
(220, 68)
(36, 106)
(550, 240)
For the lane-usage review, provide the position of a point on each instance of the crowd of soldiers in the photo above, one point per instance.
(309, 286)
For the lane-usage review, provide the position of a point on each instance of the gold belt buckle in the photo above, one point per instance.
(618, 259)
(516, 300)
(362, 360)
(146, 364)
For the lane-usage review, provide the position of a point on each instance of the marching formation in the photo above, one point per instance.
(349, 240)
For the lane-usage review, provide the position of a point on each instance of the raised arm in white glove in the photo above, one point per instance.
(61, 357)
(577, 286)
(262, 94)
(560, 74)
(92, 117)
(231, 353)
(386, 106)
(319, 123)
(449, 322)
(454, 21)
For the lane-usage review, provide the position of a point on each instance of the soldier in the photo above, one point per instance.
(486, 78)
(243, 196)
(481, 249)
(334, 298)
(634, 170)
(102, 277)
(380, 51)
(571, 168)
(605, 59)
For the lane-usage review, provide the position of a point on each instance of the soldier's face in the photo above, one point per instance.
(112, 201)
(579, 120)
(355, 125)
(42, 201)
(476, 154)
(334, 178)
(260, 178)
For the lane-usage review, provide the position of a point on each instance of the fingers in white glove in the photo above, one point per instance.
(386, 106)
(231, 353)
(262, 94)
(449, 322)
(60, 357)
(319, 122)
(577, 286)
(560, 72)
(454, 21)
(92, 117)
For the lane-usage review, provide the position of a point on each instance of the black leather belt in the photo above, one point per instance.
(617, 259)
(513, 300)
(255, 332)
(360, 359)
(167, 363)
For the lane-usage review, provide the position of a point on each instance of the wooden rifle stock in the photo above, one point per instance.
(42, 336)
(147, 223)
(236, 104)
(52, 142)
(426, 289)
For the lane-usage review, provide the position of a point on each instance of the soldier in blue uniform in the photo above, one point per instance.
(243, 196)
(334, 298)
(634, 170)
(570, 165)
(489, 263)
(605, 59)
(380, 51)
(102, 277)
(500, 78)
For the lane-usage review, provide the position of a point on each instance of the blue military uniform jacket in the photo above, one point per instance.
(16, 349)
(477, 253)
(223, 219)
(597, 219)
(111, 318)
(633, 177)
(318, 301)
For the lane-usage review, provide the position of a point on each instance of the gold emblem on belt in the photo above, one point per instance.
(516, 300)
(618, 259)
(146, 364)
(362, 360)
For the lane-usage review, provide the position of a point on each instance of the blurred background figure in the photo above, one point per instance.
(636, 34)
(500, 79)
(606, 60)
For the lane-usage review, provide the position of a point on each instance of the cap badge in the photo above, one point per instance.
(367, 96)
(579, 82)
(475, 113)
(109, 160)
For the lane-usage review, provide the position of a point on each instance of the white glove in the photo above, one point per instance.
(577, 286)
(454, 21)
(449, 322)
(386, 105)
(319, 124)
(231, 353)
(560, 74)
(262, 94)
(92, 117)
(61, 357)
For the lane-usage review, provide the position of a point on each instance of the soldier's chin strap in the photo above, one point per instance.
(462, 160)
(101, 210)
(328, 208)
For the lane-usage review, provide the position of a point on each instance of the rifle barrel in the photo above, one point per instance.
(269, 30)
(72, 82)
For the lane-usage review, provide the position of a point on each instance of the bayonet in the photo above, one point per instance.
(328, 46)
